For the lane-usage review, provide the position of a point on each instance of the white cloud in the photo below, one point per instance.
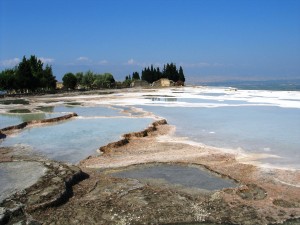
(103, 62)
(10, 62)
(131, 62)
(82, 59)
(85, 61)
(46, 60)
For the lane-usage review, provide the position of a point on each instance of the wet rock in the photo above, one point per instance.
(16, 127)
(252, 192)
(4, 216)
(10, 129)
(107, 148)
(12, 214)
(53, 188)
(14, 176)
(56, 119)
(2, 136)
(127, 137)
(5, 154)
(286, 204)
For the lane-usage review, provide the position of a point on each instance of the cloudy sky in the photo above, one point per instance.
(211, 39)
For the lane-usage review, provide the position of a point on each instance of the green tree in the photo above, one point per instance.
(171, 72)
(126, 83)
(153, 74)
(181, 76)
(47, 80)
(88, 79)
(29, 76)
(7, 80)
(36, 65)
(147, 75)
(109, 80)
(135, 76)
(104, 81)
(69, 81)
(79, 77)
(25, 80)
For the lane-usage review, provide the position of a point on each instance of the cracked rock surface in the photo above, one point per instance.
(34, 183)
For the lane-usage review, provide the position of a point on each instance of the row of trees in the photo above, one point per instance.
(29, 75)
(170, 71)
(151, 74)
(88, 80)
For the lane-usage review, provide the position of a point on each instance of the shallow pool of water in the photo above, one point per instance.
(16, 176)
(89, 111)
(74, 140)
(256, 129)
(187, 176)
(11, 119)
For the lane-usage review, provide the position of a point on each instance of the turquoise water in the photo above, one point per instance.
(236, 121)
(257, 129)
(74, 140)
(88, 111)
(192, 177)
(265, 122)
(9, 119)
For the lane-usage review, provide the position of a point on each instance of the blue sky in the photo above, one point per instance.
(210, 39)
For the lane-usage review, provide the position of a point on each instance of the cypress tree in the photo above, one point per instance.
(181, 74)
(136, 76)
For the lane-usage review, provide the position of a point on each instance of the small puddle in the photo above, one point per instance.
(188, 176)
(16, 176)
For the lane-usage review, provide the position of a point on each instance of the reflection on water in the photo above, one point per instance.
(48, 109)
(15, 119)
(192, 177)
(47, 112)
(88, 111)
(163, 99)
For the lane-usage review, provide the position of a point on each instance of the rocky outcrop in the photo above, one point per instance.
(10, 129)
(127, 137)
(52, 189)
(2, 135)
(252, 192)
(53, 120)
(145, 132)
(16, 127)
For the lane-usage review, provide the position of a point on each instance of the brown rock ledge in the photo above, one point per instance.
(8, 130)
(129, 136)
(51, 190)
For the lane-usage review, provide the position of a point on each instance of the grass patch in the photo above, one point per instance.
(15, 102)
(20, 111)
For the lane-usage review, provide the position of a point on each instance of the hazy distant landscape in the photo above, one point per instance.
(276, 85)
